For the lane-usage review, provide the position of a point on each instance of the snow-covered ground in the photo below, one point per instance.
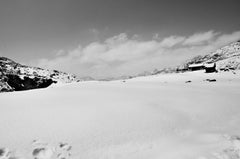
(155, 117)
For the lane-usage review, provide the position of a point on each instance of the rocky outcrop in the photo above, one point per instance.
(4, 87)
(17, 77)
(25, 83)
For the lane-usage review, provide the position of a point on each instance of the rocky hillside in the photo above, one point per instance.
(16, 77)
(227, 57)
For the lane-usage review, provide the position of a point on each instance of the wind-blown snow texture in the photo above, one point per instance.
(155, 117)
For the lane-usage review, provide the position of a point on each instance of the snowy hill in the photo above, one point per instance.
(14, 76)
(227, 57)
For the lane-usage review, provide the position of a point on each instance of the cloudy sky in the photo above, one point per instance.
(103, 38)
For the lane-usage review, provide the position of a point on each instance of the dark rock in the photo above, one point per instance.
(4, 87)
(27, 83)
(211, 80)
(36, 151)
(1, 152)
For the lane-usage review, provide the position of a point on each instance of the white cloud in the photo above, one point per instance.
(117, 40)
(60, 52)
(200, 38)
(121, 55)
(172, 40)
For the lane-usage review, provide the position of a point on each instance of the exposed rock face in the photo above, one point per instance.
(14, 81)
(4, 87)
(17, 77)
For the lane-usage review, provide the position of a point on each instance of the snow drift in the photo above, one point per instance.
(150, 117)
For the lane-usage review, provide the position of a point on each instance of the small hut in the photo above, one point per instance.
(196, 67)
(210, 67)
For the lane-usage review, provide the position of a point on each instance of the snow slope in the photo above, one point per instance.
(154, 117)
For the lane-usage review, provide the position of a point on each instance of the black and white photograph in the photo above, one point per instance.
(119, 79)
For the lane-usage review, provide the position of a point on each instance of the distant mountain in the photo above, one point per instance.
(16, 77)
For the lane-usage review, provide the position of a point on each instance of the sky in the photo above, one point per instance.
(106, 38)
